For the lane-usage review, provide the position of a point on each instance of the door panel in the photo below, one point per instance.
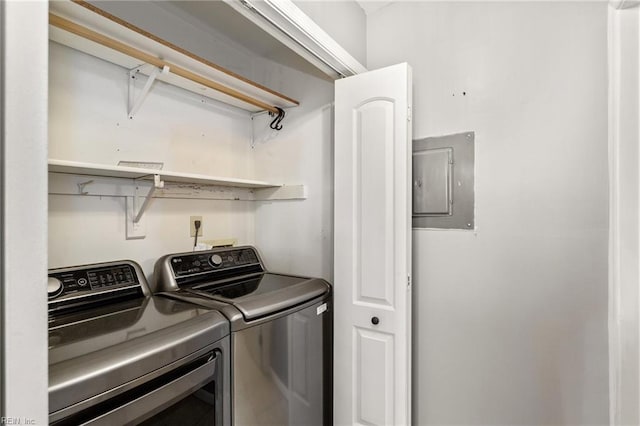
(372, 295)
(373, 182)
(374, 352)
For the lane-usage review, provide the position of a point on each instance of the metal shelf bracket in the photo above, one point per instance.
(82, 185)
(135, 104)
(136, 228)
(158, 183)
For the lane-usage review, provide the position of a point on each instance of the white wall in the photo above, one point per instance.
(297, 237)
(344, 21)
(511, 321)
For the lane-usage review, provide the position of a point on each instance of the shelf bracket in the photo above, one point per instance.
(136, 227)
(157, 184)
(82, 185)
(135, 104)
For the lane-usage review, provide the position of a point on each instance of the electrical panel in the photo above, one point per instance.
(443, 182)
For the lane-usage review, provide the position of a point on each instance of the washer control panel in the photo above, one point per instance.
(212, 261)
(91, 279)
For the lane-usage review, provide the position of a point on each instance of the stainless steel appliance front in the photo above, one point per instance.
(280, 332)
(120, 356)
(283, 363)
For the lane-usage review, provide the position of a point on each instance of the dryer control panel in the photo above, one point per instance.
(101, 281)
(208, 261)
(176, 270)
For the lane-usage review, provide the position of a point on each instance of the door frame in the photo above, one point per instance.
(23, 140)
(287, 23)
(624, 212)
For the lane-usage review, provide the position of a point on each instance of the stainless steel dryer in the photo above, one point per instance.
(281, 332)
(120, 356)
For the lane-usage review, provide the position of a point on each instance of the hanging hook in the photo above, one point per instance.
(275, 124)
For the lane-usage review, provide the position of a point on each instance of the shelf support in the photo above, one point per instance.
(82, 185)
(135, 104)
(136, 228)
(157, 184)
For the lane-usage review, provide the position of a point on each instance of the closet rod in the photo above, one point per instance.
(96, 37)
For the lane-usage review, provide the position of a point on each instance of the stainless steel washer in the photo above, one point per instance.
(117, 355)
(281, 332)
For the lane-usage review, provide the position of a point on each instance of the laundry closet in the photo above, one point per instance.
(89, 122)
(204, 138)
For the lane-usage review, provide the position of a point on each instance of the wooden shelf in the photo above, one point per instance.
(92, 169)
(139, 186)
(86, 28)
(70, 178)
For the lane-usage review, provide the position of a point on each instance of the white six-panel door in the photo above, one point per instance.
(372, 264)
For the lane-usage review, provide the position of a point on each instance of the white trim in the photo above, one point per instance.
(614, 294)
(24, 229)
(284, 21)
(624, 209)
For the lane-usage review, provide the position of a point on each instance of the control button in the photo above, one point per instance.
(82, 282)
(216, 260)
(54, 287)
(196, 263)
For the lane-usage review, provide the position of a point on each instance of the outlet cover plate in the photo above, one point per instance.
(134, 231)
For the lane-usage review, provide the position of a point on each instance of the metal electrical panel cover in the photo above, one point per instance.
(432, 181)
(443, 182)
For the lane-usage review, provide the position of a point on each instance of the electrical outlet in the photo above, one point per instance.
(192, 226)
(134, 230)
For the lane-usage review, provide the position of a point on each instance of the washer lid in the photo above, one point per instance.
(265, 294)
(95, 351)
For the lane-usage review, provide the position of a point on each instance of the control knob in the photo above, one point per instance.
(54, 287)
(216, 260)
